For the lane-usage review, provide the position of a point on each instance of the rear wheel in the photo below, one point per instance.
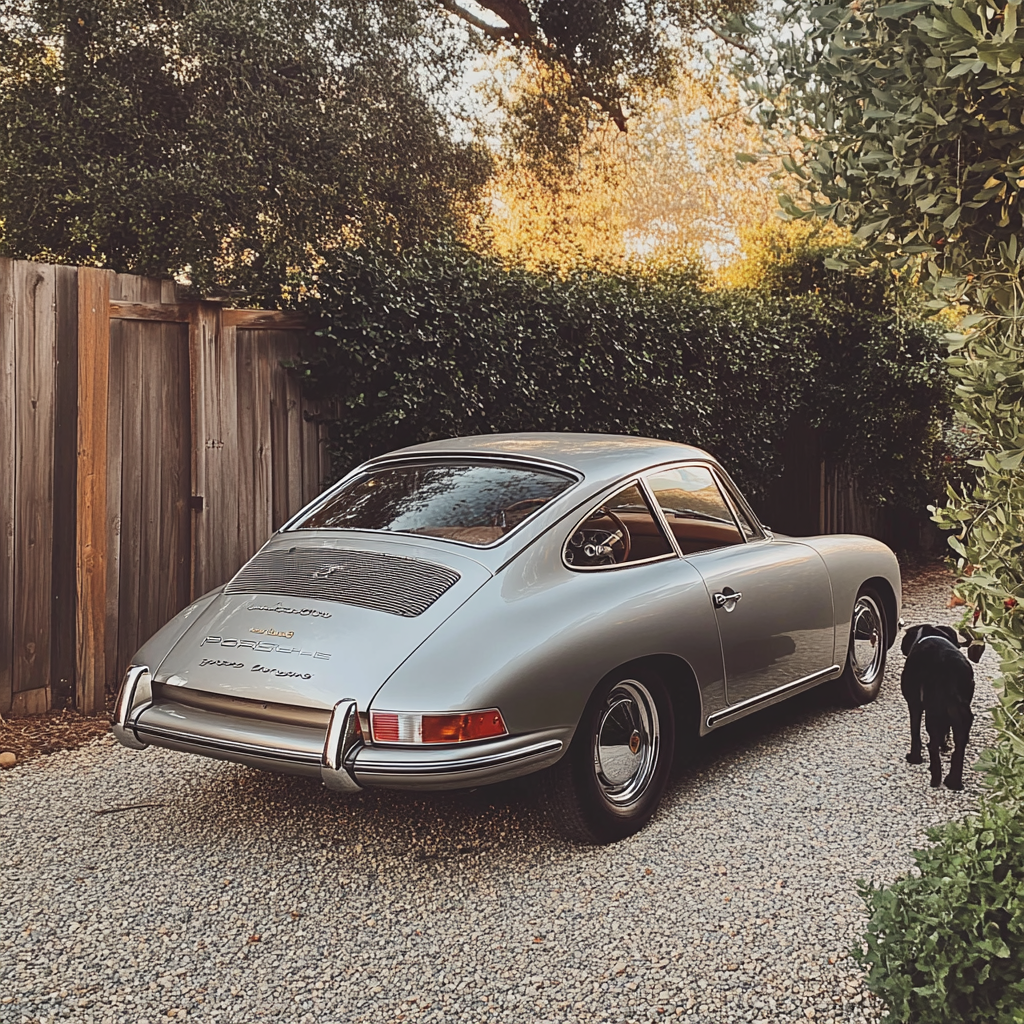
(865, 659)
(611, 779)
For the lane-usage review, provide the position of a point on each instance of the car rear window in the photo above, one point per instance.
(471, 502)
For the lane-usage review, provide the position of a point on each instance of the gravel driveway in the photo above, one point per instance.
(243, 897)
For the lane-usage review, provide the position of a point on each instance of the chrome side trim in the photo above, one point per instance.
(453, 767)
(236, 745)
(751, 702)
(342, 741)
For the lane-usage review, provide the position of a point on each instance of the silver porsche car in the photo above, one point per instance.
(466, 611)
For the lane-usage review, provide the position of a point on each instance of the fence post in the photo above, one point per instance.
(91, 534)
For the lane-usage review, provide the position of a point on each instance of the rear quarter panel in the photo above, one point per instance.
(852, 561)
(536, 639)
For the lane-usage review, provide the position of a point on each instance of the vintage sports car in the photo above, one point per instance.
(466, 611)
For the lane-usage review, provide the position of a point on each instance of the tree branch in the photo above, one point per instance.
(491, 31)
(613, 108)
(726, 38)
(516, 15)
(521, 30)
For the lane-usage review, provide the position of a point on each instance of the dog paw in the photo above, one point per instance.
(915, 759)
(936, 783)
(955, 784)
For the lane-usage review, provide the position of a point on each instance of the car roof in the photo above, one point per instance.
(602, 456)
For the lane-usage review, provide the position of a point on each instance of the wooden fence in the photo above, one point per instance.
(147, 448)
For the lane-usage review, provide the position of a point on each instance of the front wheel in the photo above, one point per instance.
(865, 659)
(611, 779)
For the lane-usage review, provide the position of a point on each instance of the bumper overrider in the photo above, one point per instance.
(332, 745)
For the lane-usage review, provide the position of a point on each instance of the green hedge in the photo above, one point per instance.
(946, 946)
(440, 341)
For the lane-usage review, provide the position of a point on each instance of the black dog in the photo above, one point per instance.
(939, 681)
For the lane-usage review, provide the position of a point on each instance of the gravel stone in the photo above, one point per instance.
(247, 897)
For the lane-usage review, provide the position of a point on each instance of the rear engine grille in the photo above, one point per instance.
(368, 579)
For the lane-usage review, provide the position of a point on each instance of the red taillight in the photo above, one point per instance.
(385, 726)
(462, 727)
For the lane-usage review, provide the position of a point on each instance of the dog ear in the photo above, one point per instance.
(910, 638)
(949, 633)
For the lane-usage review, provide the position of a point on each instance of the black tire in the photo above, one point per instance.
(611, 779)
(865, 653)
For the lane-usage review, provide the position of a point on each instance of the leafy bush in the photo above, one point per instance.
(441, 340)
(947, 946)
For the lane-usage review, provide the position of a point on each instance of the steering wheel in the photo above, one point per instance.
(500, 518)
(599, 546)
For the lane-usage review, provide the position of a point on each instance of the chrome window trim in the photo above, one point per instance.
(733, 494)
(657, 516)
(575, 478)
(729, 495)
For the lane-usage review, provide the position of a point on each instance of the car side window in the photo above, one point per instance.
(621, 529)
(697, 512)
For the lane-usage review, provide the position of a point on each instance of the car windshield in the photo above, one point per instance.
(472, 502)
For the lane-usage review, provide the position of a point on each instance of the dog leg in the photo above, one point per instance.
(914, 757)
(935, 760)
(961, 731)
(944, 745)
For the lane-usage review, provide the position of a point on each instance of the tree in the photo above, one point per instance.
(913, 138)
(234, 141)
(603, 57)
(673, 184)
(914, 141)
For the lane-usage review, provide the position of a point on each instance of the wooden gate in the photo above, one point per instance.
(147, 448)
(149, 476)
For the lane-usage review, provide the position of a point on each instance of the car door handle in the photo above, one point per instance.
(727, 601)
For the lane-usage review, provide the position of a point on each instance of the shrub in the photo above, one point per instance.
(947, 946)
(440, 340)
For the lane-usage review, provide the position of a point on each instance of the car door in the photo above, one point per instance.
(772, 598)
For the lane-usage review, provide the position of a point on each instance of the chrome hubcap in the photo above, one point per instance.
(626, 743)
(867, 640)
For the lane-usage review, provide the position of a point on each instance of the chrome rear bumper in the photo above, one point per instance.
(318, 743)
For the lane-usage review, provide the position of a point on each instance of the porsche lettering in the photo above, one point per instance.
(263, 646)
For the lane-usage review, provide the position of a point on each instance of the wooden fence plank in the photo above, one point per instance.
(8, 410)
(122, 367)
(262, 508)
(126, 341)
(165, 313)
(215, 399)
(93, 367)
(65, 460)
(278, 450)
(31, 702)
(115, 450)
(248, 401)
(266, 319)
(176, 474)
(293, 410)
(34, 296)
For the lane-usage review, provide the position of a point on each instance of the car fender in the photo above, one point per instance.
(853, 561)
(537, 638)
(160, 644)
